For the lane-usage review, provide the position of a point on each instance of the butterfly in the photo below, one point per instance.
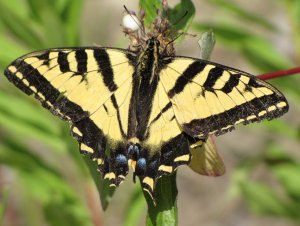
(142, 110)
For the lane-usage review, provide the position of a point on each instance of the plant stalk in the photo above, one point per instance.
(277, 74)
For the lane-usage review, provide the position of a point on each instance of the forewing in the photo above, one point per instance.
(209, 98)
(90, 87)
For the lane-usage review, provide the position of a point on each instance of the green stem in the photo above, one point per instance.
(164, 212)
(105, 191)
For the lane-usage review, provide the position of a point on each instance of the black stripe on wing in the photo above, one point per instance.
(188, 75)
(252, 99)
(105, 68)
(81, 58)
(221, 123)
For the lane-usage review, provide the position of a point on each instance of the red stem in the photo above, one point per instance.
(279, 73)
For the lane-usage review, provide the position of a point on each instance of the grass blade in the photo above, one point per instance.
(105, 191)
(137, 207)
(165, 211)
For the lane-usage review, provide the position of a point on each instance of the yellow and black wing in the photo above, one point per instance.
(89, 87)
(149, 113)
(208, 98)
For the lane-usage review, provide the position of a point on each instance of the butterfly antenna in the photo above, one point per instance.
(174, 24)
(134, 19)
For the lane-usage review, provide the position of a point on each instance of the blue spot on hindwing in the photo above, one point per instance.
(141, 166)
(121, 164)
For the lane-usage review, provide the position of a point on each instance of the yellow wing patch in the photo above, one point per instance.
(208, 98)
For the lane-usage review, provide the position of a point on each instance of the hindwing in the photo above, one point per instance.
(206, 160)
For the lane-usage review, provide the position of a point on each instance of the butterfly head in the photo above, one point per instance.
(150, 50)
(152, 43)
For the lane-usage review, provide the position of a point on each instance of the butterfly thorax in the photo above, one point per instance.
(148, 59)
(144, 85)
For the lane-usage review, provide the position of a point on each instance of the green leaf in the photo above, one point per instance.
(71, 16)
(35, 7)
(278, 127)
(14, 153)
(4, 195)
(233, 9)
(137, 207)
(182, 15)
(62, 5)
(28, 112)
(43, 184)
(165, 211)
(105, 191)
(32, 121)
(292, 8)
(9, 51)
(259, 51)
(50, 38)
(72, 147)
(289, 86)
(68, 217)
(262, 199)
(18, 27)
(150, 8)
(52, 191)
(288, 175)
(19, 7)
(286, 169)
(275, 155)
(224, 32)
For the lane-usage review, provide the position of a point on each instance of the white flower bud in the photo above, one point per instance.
(131, 22)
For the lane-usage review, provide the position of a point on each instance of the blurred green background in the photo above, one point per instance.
(45, 181)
